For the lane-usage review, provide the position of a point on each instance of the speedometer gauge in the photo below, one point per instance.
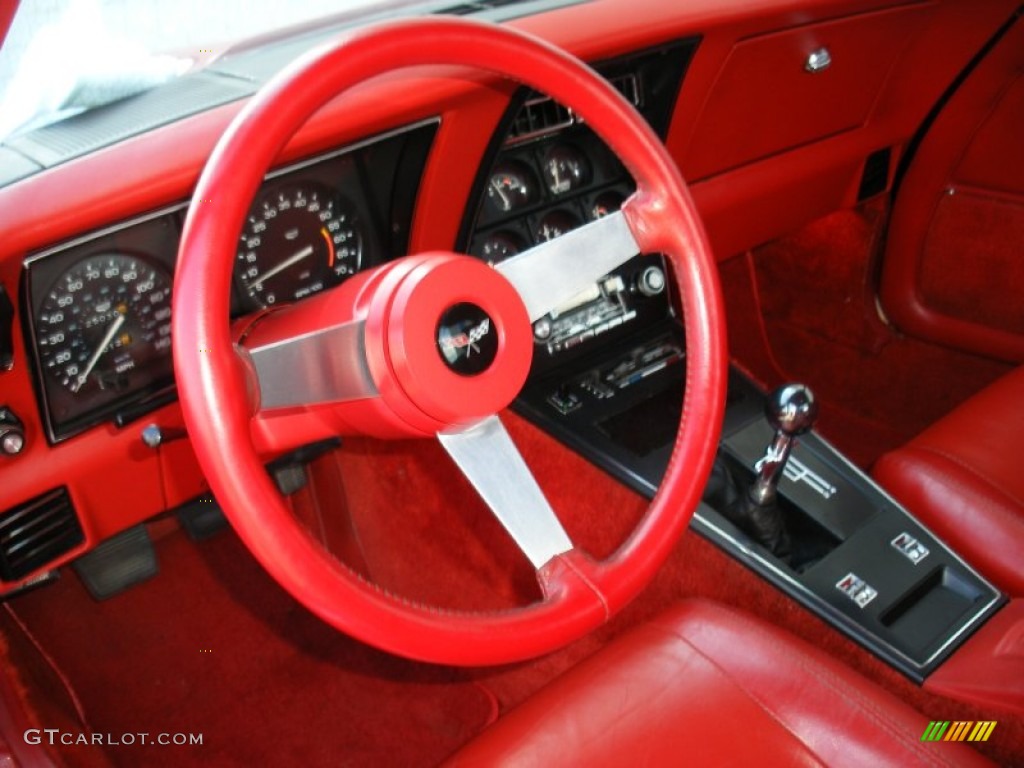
(297, 240)
(103, 324)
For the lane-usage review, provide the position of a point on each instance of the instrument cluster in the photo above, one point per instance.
(98, 309)
(537, 192)
(543, 185)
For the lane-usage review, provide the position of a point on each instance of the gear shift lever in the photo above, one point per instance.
(791, 410)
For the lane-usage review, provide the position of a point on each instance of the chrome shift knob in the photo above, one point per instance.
(791, 409)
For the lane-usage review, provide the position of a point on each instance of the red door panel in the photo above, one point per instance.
(954, 266)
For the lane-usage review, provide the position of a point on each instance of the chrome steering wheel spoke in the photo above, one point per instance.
(550, 274)
(491, 462)
(325, 366)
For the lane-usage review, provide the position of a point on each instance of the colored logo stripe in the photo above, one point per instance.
(982, 731)
(958, 730)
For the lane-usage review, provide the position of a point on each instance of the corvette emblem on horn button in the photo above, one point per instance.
(466, 339)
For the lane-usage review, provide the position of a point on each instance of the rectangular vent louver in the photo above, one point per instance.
(538, 117)
(542, 115)
(629, 86)
(37, 532)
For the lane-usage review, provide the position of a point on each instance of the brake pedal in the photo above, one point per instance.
(118, 563)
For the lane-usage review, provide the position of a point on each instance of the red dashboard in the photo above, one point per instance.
(766, 144)
(832, 188)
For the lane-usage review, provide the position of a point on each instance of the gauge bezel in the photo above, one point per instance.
(43, 268)
(574, 182)
(389, 237)
(340, 203)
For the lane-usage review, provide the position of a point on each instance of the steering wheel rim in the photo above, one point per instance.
(215, 385)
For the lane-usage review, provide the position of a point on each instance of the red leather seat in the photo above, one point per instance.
(705, 685)
(963, 477)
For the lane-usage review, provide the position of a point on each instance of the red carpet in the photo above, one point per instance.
(212, 646)
(803, 308)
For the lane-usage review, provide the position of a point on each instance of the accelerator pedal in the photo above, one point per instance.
(202, 517)
(118, 563)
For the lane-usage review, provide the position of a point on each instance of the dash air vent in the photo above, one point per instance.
(541, 115)
(36, 533)
(629, 86)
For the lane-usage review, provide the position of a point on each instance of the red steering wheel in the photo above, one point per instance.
(385, 354)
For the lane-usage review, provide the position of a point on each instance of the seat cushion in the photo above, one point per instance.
(705, 685)
(963, 477)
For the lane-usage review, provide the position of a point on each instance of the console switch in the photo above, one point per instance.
(564, 399)
(910, 548)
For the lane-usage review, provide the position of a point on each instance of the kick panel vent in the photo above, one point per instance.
(36, 533)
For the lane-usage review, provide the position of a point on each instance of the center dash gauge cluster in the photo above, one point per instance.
(608, 365)
(547, 174)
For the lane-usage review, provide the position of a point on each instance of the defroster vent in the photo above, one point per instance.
(37, 532)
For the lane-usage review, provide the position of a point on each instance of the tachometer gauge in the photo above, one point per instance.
(104, 323)
(297, 241)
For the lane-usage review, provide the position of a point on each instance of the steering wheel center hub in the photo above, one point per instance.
(454, 337)
(466, 339)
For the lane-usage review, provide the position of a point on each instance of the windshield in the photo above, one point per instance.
(64, 56)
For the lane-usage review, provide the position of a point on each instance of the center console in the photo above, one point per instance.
(854, 556)
(608, 377)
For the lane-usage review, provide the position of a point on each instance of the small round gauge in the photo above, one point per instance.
(565, 169)
(297, 241)
(605, 203)
(512, 186)
(104, 322)
(556, 223)
(499, 245)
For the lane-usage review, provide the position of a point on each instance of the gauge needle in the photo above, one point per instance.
(505, 200)
(558, 177)
(98, 352)
(307, 251)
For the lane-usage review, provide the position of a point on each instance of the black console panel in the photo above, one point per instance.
(858, 559)
(869, 567)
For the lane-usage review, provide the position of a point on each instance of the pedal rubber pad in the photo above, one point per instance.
(201, 517)
(118, 563)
